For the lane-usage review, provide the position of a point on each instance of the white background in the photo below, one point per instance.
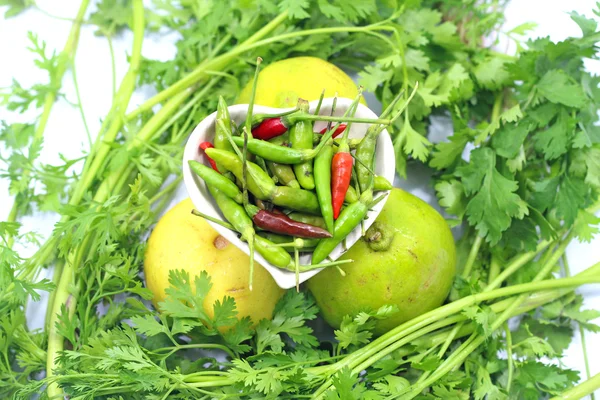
(65, 132)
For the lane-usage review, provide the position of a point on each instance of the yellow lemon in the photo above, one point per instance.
(281, 83)
(181, 240)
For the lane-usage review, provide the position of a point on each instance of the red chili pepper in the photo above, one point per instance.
(341, 171)
(337, 132)
(270, 128)
(282, 224)
(209, 145)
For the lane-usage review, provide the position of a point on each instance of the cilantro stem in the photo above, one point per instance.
(581, 330)
(390, 341)
(56, 273)
(220, 62)
(445, 345)
(216, 63)
(63, 295)
(475, 340)
(588, 387)
(174, 349)
(517, 263)
(12, 217)
(494, 268)
(113, 68)
(509, 356)
(472, 256)
(64, 59)
(80, 105)
(212, 382)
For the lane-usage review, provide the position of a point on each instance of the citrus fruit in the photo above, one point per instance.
(181, 240)
(407, 258)
(281, 83)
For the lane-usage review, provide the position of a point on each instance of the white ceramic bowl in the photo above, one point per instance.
(203, 201)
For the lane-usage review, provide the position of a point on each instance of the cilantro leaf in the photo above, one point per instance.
(483, 317)
(296, 8)
(452, 197)
(111, 16)
(491, 73)
(289, 319)
(588, 26)
(495, 202)
(445, 154)
(508, 140)
(553, 142)
(346, 386)
(557, 87)
(412, 142)
(357, 331)
(15, 7)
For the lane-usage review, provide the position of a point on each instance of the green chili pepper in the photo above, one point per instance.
(261, 163)
(242, 223)
(350, 217)
(259, 182)
(381, 183)
(221, 141)
(262, 187)
(313, 220)
(282, 239)
(282, 140)
(215, 179)
(284, 173)
(275, 255)
(365, 155)
(295, 199)
(351, 195)
(301, 138)
(323, 184)
(233, 212)
(236, 215)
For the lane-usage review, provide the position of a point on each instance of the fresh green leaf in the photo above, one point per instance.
(494, 202)
(557, 87)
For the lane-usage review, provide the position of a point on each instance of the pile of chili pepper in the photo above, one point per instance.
(286, 189)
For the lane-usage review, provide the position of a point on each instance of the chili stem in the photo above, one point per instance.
(245, 192)
(213, 219)
(318, 109)
(297, 263)
(252, 97)
(304, 268)
(305, 117)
